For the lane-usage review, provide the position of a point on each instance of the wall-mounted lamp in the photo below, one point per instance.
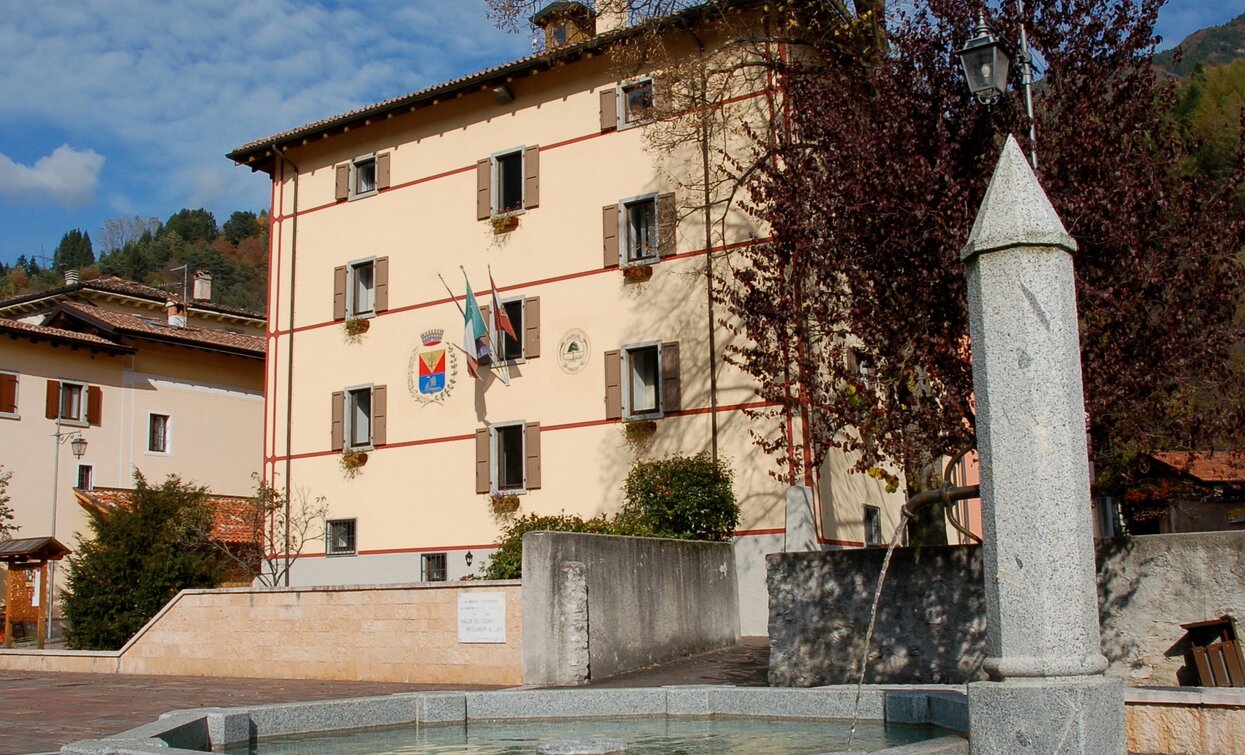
(503, 94)
(469, 558)
(78, 446)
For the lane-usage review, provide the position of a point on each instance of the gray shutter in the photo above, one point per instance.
(671, 383)
(482, 461)
(8, 394)
(94, 405)
(339, 293)
(484, 189)
(531, 452)
(609, 230)
(609, 109)
(667, 225)
(531, 327)
(613, 385)
(531, 177)
(382, 284)
(382, 171)
(380, 421)
(343, 182)
(53, 406)
(338, 415)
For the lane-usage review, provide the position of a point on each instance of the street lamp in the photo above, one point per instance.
(77, 444)
(985, 66)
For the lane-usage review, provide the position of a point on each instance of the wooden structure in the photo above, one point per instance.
(1216, 652)
(25, 588)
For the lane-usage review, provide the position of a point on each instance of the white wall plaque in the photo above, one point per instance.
(481, 617)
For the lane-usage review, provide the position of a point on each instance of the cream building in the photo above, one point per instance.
(541, 171)
(149, 387)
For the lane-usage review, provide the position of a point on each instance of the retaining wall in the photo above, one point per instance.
(931, 623)
(599, 605)
(391, 633)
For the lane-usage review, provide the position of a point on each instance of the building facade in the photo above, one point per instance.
(542, 173)
(151, 385)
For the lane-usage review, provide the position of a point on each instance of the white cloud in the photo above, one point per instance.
(67, 176)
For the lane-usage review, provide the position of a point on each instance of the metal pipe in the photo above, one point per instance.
(1026, 79)
(289, 372)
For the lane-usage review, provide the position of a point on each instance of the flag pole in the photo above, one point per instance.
(452, 297)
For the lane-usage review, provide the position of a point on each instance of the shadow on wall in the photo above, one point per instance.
(931, 619)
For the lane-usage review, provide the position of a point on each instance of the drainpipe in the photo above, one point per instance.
(289, 372)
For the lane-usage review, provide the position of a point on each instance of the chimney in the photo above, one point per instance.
(564, 23)
(71, 277)
(203, 285)
(176, 312)
(612, 15)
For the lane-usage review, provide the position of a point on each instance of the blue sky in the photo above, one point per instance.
(127, 107)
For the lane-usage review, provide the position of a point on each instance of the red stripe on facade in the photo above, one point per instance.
(527, 285)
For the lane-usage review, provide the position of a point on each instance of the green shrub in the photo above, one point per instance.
(684, 497)
(687, 497)
(507, 561)
(137, 559)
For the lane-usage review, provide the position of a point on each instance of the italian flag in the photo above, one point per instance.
(475, 334)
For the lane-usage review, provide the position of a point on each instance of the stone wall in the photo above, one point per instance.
(390, 633)
(931, 619)
(599, 605)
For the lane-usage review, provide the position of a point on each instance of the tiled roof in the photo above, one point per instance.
(232, 516)
(124, 323)
(117, 285)
(41, 332)
(1226, 466)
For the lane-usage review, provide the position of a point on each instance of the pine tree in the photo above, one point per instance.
(73, 252)
(137, 558)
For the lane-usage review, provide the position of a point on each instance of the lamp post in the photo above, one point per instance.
(985, 65)
(77, 444)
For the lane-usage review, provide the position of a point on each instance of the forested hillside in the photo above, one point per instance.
(151, 252)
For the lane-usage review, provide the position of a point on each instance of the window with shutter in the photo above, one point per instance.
(72, 402)
(338, 421)
(635, 103)
(613, 384)
(342, 183)
(381, 300)
(363, 174)
(531, 455)
(643, 380)
(8, 395)
(484, 189)
(508, 180)
(380, 420)
(382, 171)
(361, 288)
(671, 378)
(339, 292)
(483, 460)
(95, 405)
(531, 177)
(667, 225)
(510, 461)
(609, 226)
(609, 109)
(358, 418)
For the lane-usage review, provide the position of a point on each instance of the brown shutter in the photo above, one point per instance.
(482, 460)
(382, 171)
(339, 293)
(54, 399)
(531, 452)
(667, 225)
(531, 177)
(382, 284)
(94, 405)
(671, 384)
(484, 190)
(531, 327)
(343, 182)
(380, 422)
(8, 394)
(338, 416)
(613, 385)
(663, 97)
(609, 228)
(609, 109)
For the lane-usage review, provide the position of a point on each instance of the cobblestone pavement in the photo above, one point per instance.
(40, 712)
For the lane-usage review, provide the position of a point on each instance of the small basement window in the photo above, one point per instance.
(873, 525)
(433, 567)
(340, 537)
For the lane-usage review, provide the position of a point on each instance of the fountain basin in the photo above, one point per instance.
(208, 729)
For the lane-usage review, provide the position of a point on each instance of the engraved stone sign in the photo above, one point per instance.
(482, 617)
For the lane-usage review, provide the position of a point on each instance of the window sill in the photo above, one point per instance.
(6, 415)
(625, 125)
(165, 454)
(626, 417)
(508, 491)
(73, 422)
(352, 196)
(358, 449)
(339, 555)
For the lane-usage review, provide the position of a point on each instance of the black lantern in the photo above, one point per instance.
(985, 64)
(78, 445)
(469, 558)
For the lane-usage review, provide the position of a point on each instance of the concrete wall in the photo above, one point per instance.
(404, 633)
(931, 621)
(598, 605)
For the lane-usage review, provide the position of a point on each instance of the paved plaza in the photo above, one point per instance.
(40, 712)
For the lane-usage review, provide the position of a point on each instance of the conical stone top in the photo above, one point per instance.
(1015, 211)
